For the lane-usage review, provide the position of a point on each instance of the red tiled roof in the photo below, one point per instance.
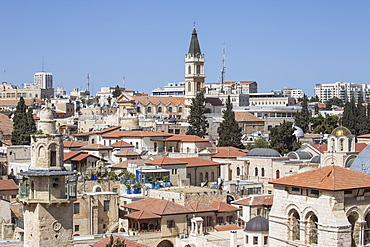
(223, 206)
(98, 132)
(227, 228)
(332, 178)
(364, 136)
(80, 157)
(186, 138)
(119, 134)
(96, 147)
(199, 207)
(103, 242)
(241, 82)
(228, 152)
(142, 215)
(72, 144)
(8, 185)
(244, 116)
(127, 152)
(14, 102)
(6, 124)
(121, 144)
(158, 99)
(256, 200)
(120, 165)
(195, 161)
(69, 155)
(165, 161)
(157, 206)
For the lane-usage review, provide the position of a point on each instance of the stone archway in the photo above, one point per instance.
(353, 218)
(165, 243)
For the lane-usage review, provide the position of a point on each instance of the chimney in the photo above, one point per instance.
(233, 238)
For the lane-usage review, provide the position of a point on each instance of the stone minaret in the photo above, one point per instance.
(194, 69)
(48, 189)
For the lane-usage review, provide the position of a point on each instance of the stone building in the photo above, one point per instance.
(48, 190)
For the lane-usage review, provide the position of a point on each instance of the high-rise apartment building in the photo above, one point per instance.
(342, 90)
(43, 80)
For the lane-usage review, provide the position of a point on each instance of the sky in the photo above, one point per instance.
(276, 43)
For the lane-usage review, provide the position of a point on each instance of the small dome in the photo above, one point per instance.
(257, 224)
(298, 132)
(46, 114)
(299, 155)
(263, 152)
(316, 159)
(341, 131)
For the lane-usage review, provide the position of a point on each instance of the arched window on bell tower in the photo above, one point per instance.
(53, 155)
(189, 86)
(198, 69)
(198, 86)
(189, 69)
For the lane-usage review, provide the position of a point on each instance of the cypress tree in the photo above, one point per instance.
(117, 92)
(282, 138)
(229, 131)
(197, 119)
(361, 118)
(23, 124)
(349, 116)
(302, 119)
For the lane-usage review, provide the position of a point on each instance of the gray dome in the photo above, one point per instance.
(263, 152)
(299, 155)
(316, 159)
(298, 132)
(257, 224)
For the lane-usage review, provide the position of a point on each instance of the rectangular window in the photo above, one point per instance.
(77, 228)
(209, 221)
(265, 240)
(170, 223)
(255, 240)
(230, 218)
(177, 131)
(106, 205)
(220, 220)
(115, 190)
(76, 208)
(246, 239)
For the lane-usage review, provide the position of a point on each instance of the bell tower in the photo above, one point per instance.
(48, 189)
(194, 69)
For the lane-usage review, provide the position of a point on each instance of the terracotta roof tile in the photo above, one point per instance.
(96, 147)
(364, 136)
(72, 144)
(165, 161)
(223, 206)
(8, 184)
(246, 117)
(255, 200)
(159, 99)
(69, 155)
(186, 138)
(127, 152)
(157, 206)
(142, 215)
(104, 131)
(332, 178)
(241, 82)
(121, 144)
(227, 228)
(119, 134)
(195, 161)
(103, 242)
(6, 124)
(228, 152)
(199, 207)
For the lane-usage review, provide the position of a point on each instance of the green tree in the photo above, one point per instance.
(197, 119)
(282, 138)
(23, 124)
(324, 125)
(259, 142)
(118, 242)
(361, 119)
(229, 131)
(117, 92)
(302, 118)
(333, 101)
(349, 116)
(315, 99)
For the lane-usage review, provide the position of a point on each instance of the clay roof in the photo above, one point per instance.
(142, 215)
(241, 82)
(14, 102)
(195, 161)
(103, 242)
(158, 99)
(364, 136)
(96, 147)
(332, 178)
(157, 206)
(256, 200)
(137, 134)
(324, 147)
(6, 124)
(165, 161)
(244, 116)
(98, 132)
(127, 152)
(227, 228)
(8, 185)
(72, 144)
(124, 164)
(120, 165)
(223, 206)
(199, 207)
(186, 138)
(68, 155)
(229, 152)
(121, 144)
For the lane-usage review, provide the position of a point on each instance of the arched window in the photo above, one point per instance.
(353, 218)
(312, 228)
(206, 177)
(180, 109)
(189, 69)
(198, 86)
(149, 109)
(189, 177)
(277, 174)
(212, 176)
(294, 221)
(155, 147)
(256, 171)
(262, 172)
(170, 109)
(238, 171)
(341, 144)
(189, 86)
(160, 109)
(53, 155)
(201, 177)
(198, 69)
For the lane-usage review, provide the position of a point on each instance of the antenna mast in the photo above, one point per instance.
(88, 82)
(124, 82)
(223, 69)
